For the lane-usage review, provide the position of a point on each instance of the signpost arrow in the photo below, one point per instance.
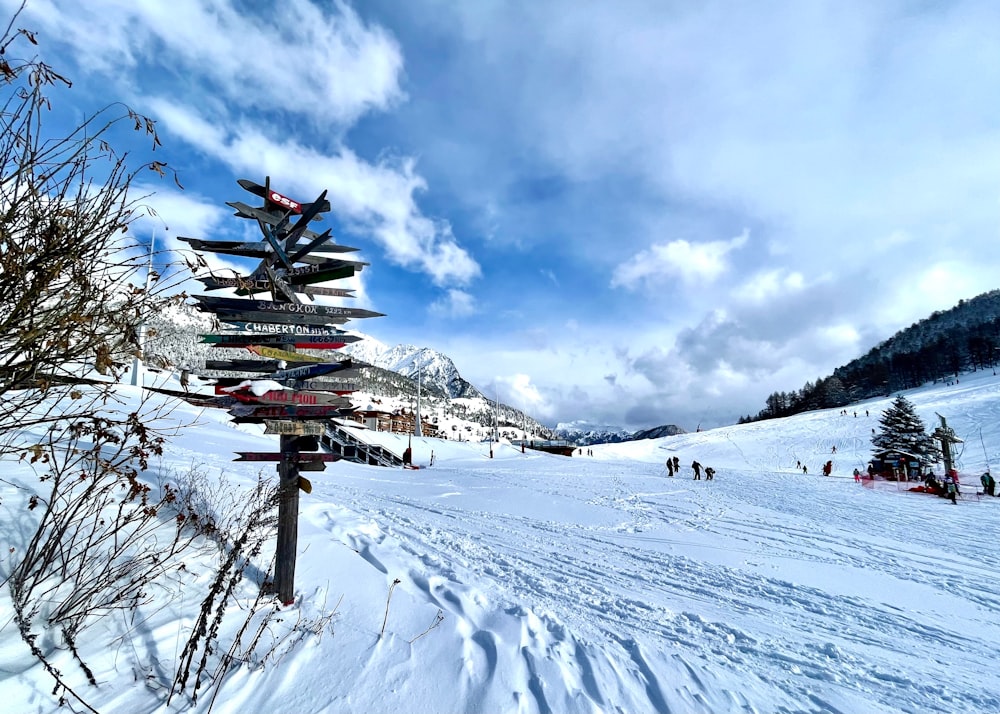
(262, 249)
(229, 316)
(286, 355)
(278, 456)
(310, 342)
(294, 428)
(282, 329)
(241, 365)
(273, 197)
(214, 303)
(310, 371)
(292, 397)
(248, 285)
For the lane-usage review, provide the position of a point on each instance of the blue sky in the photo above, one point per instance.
(630, 213)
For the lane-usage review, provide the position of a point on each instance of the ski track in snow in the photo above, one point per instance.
(569, 586)
(598, 584)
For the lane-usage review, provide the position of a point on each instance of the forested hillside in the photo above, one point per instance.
(942, 346)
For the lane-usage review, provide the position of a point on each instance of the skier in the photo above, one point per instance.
(670, 467)
(951, 489)
(709, 473)
(827, 468)
(857, 476)
(697, 470)
(677, 464)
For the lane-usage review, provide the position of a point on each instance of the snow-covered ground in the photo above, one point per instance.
(538, 583)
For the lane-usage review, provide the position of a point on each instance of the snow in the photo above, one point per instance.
(530, 582)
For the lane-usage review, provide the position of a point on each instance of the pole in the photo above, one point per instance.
(416, 424)
(288, 521)
(286, 550)
(136, 361)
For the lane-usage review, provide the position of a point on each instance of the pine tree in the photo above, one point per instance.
(903, 430)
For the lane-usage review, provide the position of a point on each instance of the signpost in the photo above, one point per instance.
(290, 264)
(293, 428)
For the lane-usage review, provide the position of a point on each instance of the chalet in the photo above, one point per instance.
(896, 465)
(393, 422)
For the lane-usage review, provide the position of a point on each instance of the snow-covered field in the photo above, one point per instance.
(538, 583)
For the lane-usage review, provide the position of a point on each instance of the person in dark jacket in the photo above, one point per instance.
(709, 473)
(697, 470)
(670, 467)
(989, 484)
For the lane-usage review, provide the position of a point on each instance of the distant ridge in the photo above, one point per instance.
(965, 338)
(658, 432)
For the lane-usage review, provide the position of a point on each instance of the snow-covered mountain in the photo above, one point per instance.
(387, 372)
(658, 432)
(433, 367)
(584, 433)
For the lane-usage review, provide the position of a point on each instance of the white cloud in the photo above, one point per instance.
(769, 284)
(691, 262)
(321, 61)
(377, 199)
(455, 303)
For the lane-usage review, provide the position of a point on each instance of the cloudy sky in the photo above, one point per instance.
(629, 213)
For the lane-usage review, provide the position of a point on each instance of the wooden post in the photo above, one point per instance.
(288, 521)
(277, 272)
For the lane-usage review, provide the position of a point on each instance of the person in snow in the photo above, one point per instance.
(677, 464)
(827, 468)
(408, 456)
(804, 469)
(709, 473)
(989, 484)
(185, 378)
(670, 467)
(697, 470)
(950, 489)
(857, 476)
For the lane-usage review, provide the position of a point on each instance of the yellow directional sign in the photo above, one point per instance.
(287, 355)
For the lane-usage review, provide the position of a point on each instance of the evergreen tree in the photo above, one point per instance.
(904, 430)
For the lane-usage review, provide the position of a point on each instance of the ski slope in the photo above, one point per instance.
(538, 583)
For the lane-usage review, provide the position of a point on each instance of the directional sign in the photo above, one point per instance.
(274, 317)
(245, 305)
(297, 330)
(245, 211)
(221, 383)
(344, 387)
(289, 396)
(241, 365)
(261, 249)
(274, 413)
(312, 370)
(313, 211)
(248, 285)
(310, 342)
(277, 199)
(332, 269)
(294, 428)
(278, 456)
(288, 356)
(224, 402)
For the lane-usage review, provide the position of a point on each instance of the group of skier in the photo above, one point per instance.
(674, 468)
